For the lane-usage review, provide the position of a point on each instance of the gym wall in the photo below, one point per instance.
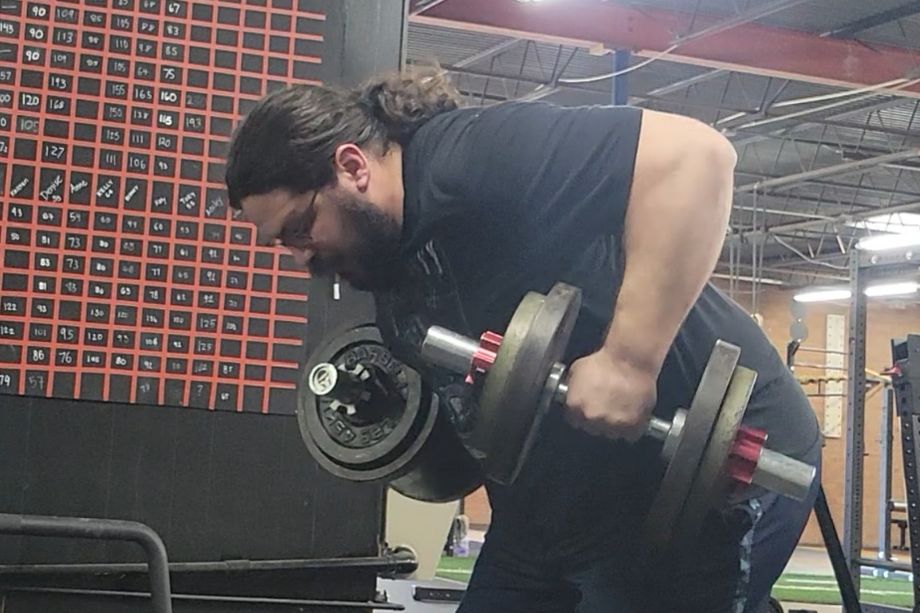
(885, 321)
(149, 352)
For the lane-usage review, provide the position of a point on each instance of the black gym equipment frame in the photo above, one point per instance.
(849, 594)
(866, 267)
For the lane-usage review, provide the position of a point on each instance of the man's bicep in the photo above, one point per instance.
(676, 149)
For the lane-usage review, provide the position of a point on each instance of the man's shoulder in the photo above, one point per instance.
(486, 121)
(460, 119)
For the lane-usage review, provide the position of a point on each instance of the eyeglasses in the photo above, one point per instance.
(296, 232)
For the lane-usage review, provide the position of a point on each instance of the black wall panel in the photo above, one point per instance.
(215, 485)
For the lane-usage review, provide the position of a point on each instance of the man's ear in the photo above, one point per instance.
(352, 166)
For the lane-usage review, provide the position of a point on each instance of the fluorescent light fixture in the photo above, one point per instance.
(884, 242)
(747, 279)
(823, 295)
(881, 290)
(890, 223)
(903, 288)
(897, 230)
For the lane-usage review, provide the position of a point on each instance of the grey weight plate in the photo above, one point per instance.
(682, 469)
(513, 403)
(710, 487)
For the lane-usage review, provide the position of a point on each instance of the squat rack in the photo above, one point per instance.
(866, 267)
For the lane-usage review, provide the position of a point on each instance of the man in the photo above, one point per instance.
(451, 215)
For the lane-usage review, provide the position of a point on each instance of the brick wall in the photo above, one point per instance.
(476, 507)
(886, 321)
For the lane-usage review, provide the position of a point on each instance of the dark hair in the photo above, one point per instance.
(290, 137)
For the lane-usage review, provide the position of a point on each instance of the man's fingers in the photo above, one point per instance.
(600, 424)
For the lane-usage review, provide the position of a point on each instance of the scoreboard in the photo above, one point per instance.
(124, 277)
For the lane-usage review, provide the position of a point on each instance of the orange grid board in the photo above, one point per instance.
(123, 277)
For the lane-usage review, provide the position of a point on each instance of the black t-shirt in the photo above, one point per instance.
(515, 197)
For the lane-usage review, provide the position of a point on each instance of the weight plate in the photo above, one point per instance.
(513, 403)
(710, 486)
(346, 439)
(682, 469)
(442, 469)
(493, 398)
(421, 457)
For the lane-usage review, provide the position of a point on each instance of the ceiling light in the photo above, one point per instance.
(823, 295)
(903, 288)
(829, 294)
(883, 242)
(889, 223)
(747, 279)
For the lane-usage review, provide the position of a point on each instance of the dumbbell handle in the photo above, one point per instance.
(658, 428)
(774, 471)
(455, 352)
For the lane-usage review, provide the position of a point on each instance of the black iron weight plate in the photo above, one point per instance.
(442, 470)
(422, 458)
(353, 445)
(380, 461)
(683, 467)
(510, 407)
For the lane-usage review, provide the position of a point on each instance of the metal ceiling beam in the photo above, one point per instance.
(817, 223)
(868, 106)
(546, 88)
(542, 91)
(487, 53)
(823, 202)
(866, 23)
(871, 127)
(827, 171)
(417, 7)
(685, 83)
(745, 278)
(847, 144)
(758, 12)
(786, 271)
(833, 185)
(750, 48)
(780, 212)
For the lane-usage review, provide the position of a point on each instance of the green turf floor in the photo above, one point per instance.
(817, 589)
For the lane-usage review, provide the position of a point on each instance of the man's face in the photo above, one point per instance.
(330, 231)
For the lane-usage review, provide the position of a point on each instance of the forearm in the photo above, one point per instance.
(675, 226)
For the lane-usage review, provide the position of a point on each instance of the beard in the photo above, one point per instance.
(371, 262)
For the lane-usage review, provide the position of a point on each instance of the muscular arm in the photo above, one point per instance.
(675, 224)
(563, 177)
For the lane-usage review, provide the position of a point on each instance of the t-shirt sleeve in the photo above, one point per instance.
(540, 166)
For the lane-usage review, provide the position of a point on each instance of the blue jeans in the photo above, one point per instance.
(740, 554)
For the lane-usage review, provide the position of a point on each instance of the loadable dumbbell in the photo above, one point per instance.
(365, 416)
(706, 447)
(750, 462)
